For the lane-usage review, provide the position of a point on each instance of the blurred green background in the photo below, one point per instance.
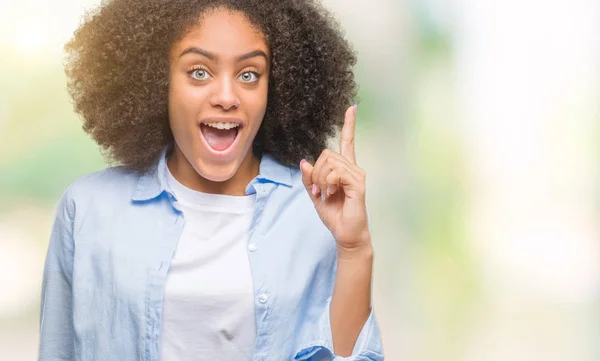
(478, 127)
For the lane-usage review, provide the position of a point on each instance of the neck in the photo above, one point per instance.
(185, 174)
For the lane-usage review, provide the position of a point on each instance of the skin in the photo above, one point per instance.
(335, 183)
(202, 88)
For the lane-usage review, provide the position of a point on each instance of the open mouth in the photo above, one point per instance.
(220, 136)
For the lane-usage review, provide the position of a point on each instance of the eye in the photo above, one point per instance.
(199, 74)
(249, 77)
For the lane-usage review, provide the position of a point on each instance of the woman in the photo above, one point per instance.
(213, 238)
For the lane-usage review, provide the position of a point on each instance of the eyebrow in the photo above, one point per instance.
(214, 57)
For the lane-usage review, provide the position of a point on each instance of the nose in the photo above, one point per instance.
(224, 95)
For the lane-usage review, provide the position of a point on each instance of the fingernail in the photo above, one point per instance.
(329, 190)
(302, 162)
(323, 196)
(314, 189)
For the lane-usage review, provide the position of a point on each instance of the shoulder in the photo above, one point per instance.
(102, 186)
(297, 201)
(104, 181)
(295, 187)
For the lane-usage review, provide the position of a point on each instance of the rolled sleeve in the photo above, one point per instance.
(317, 344)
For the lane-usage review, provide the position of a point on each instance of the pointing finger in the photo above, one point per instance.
(347, 136)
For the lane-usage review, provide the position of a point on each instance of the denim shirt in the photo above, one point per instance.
(112, 242)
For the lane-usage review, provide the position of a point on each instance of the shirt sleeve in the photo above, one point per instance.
(56, 320)
(318, 343)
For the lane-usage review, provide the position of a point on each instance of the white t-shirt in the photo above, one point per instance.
(208, 311)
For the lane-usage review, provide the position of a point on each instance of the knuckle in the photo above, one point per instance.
(314, 178)
(349, 140)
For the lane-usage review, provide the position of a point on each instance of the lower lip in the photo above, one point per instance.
(222, 153)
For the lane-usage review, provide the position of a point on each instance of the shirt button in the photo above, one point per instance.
(263, 298)
(252, 247)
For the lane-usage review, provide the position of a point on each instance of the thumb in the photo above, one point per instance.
(306, 168)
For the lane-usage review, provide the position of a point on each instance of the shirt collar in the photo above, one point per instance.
(152, 183)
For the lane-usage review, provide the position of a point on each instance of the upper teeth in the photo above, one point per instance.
(225, 125)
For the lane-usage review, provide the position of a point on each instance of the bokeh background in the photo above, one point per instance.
(478, 127)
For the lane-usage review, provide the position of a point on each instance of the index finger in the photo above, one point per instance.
(347, 136)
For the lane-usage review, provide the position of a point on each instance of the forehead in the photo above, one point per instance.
(224, 32)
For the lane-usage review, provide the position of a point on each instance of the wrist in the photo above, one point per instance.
(361, 252)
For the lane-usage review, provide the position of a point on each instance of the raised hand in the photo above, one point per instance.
(336, 186)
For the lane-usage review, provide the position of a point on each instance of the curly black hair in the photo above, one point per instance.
(117, 66)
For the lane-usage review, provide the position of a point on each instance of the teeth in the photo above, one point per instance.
(226, 125)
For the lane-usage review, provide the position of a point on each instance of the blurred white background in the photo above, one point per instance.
(478, 128)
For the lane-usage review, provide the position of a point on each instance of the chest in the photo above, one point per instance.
(123, 258)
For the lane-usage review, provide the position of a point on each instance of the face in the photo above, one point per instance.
(218, 80)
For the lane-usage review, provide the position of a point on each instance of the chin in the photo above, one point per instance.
(216, 172)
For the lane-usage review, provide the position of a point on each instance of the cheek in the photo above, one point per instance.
(175, 92)
(258, 102)
(184, 100)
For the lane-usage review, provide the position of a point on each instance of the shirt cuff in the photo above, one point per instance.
(317, 344)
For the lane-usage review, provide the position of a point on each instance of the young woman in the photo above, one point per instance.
(227, 231)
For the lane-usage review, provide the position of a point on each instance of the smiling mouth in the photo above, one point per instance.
(219, 136)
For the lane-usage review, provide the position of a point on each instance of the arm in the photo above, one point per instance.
(56, 323)
(347, 329)
(351, 300)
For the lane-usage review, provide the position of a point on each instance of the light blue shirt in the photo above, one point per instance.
(112, 242)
